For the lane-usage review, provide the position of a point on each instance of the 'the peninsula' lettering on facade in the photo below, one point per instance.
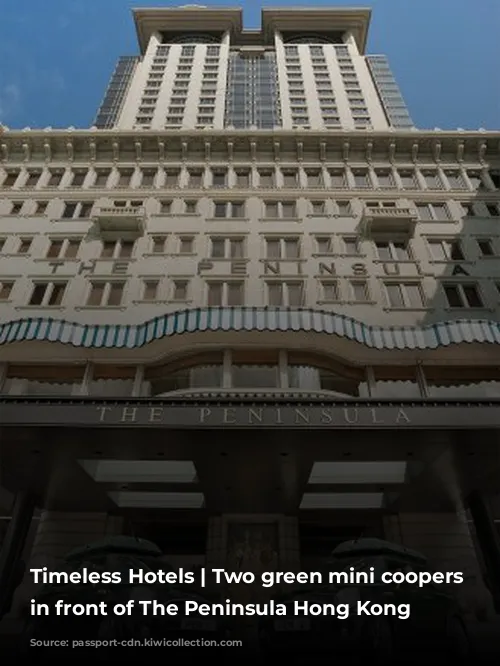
(269, 416)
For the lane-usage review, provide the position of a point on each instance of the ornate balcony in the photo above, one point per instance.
(389, 220)
(120, 219)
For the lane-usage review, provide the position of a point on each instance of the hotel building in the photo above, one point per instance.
(252, 308)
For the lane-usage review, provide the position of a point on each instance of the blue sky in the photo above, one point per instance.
(56, 56)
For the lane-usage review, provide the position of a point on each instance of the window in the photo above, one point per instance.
(232, 209)
(408, 180)
(106, 294)
(404, 295)
(485, 246)
(455, 180)
(158, 244)
(434, 211)
(329, 290)
(318, 207)
(446, 250)
(47, 293)
(150, 291)
(290, 178)
(385, 178)
(337, 178)
(314, 178)
(190, 207)
(432, 180)
(63, 248)
(476, 180)
(171, 178)
(219, 178)
(344, 208)
(5, 290)
(165, 207)
(148, 178)
(280, 209)
(462, 295)
(33, 178)
(16, 207)
(282, 248)
(120, 249)
(227, 248)
(77, 209)
(361, 178)
(359, 291)
(324, 245)
(243, 178)
(266, 178)
(195, 178)
(24, 245)
(180, 290)
(392, 251)
(285, 294)
(225, 294)
(495, 177)
(493, 210)
(41, 207)
(10, 179)
(186, 245)
(55, 178)
(350, 245)
(101, 178)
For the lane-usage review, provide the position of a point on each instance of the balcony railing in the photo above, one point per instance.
(120, 219)
(389, 220)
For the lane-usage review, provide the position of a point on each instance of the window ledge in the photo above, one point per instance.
(280, 219)
(55, 259)
(54, 308)
(325, 215)
(227, 219)
(452, 261)
(405, 309)
(124, 260)
(121, 308)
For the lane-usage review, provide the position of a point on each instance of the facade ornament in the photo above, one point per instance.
(460, 151)
(70, 150)
(47, 151)
(253, 151)
(230, 150)
(277, 147)
(26, 151)
(300, 151)
(414, 152)
(482, 148)
(5, 152)
(208, 147)
(93, 150)
(369, 151)
(161, 151)
(322, 151)
(392, 151)
(345, 150)
(436, 150)
(184, 150)
(116, 151)
(138, 150)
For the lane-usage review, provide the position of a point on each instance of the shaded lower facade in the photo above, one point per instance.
(253, 485)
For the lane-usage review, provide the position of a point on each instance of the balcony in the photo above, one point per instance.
(389, 220)
(121, 220)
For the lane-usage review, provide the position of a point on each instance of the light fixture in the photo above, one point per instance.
(144, 500)
(342, 501)
(140, 471)
(358, 472)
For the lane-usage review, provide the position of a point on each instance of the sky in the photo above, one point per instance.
(56, 56)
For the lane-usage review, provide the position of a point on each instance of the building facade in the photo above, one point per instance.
(252, 237)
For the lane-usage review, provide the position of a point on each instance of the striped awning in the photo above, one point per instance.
(119, 336)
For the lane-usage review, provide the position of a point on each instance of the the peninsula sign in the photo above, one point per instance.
(155, 414)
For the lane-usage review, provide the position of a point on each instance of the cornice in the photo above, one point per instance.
(96, 146)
